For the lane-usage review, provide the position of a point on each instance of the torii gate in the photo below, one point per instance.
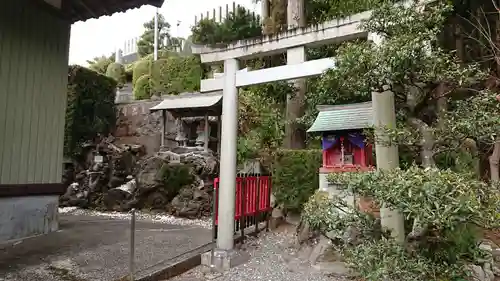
(293, 42)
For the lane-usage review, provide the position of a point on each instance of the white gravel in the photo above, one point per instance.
(158, 218)
(268, 262)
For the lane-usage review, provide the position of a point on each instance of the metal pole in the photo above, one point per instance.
(132, 245)
(164, 127)
(207, 136)
(155, 54)
(219, 130)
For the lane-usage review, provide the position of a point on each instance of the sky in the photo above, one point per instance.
(100, 36)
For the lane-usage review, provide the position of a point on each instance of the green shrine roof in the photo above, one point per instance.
(343, 117)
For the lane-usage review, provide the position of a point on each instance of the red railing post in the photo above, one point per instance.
(243, 208)
(257, 205)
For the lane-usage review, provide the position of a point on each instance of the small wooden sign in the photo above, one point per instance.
(98, 159)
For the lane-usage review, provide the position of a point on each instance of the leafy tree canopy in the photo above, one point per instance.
(100, 64)
(145, 45)
(238, 25)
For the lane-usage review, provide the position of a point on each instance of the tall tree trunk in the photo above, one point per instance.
(426, 143)
(459, 40)
(497, 38)
(427, 156)
(295, 136)
(495, 161)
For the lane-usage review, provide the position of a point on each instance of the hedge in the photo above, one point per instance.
(295, 177)
(141, 68)
(91, 109)
(174, 75)
(117, 72)
(142, 88)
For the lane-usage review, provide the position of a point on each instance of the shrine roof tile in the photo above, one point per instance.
(343, 117)
(191, 104)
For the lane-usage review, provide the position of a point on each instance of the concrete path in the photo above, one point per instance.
(89, 248)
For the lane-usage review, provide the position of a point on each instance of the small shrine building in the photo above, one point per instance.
(202, 109)
(343, 141)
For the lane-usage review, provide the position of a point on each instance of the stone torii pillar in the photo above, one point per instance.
(228, 151)
(387, 154)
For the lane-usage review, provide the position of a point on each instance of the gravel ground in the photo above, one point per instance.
(158, 218)
(270, 261)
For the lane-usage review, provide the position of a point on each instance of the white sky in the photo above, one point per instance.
(98, 37)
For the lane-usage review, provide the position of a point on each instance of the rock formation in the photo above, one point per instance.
(178, 180)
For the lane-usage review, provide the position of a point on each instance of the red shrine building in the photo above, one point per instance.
(343, 140)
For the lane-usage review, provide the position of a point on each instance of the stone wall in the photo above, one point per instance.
(136, 125)
(23, 217)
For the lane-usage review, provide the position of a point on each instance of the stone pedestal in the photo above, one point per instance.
(123, 97)
(221, 260)
(334, 190)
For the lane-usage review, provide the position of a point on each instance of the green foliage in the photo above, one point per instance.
(318, 11)
(384, 259)
(91, 110)
(410, 62)
(142, 88)
(100, 64)
(321, 212)
(117, 72)
(260, 122)
(142, 67)
(449, 205)
(175, 177)
(175, 75)
(441, 198)
(406, 56)
(295, 176)
(474, 117)
(145, 45)
(237, 26)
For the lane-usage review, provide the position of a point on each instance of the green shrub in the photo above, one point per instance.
(141, 68)
(91, 109)
(447, 209)
(174, 75)
(295, 176)
(160, 76)
(117, 72)
(175, 177)
(142, 88)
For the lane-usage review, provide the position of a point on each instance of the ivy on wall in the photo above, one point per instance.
(91, 109)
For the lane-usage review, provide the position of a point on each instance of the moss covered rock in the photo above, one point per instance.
(117, 72)
(142, 88)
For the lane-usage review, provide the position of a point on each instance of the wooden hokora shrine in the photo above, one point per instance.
(344, 145)
(201, 109)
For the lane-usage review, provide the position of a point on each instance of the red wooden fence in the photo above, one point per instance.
(253, 196)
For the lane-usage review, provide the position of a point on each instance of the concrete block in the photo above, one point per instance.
(221, 260)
